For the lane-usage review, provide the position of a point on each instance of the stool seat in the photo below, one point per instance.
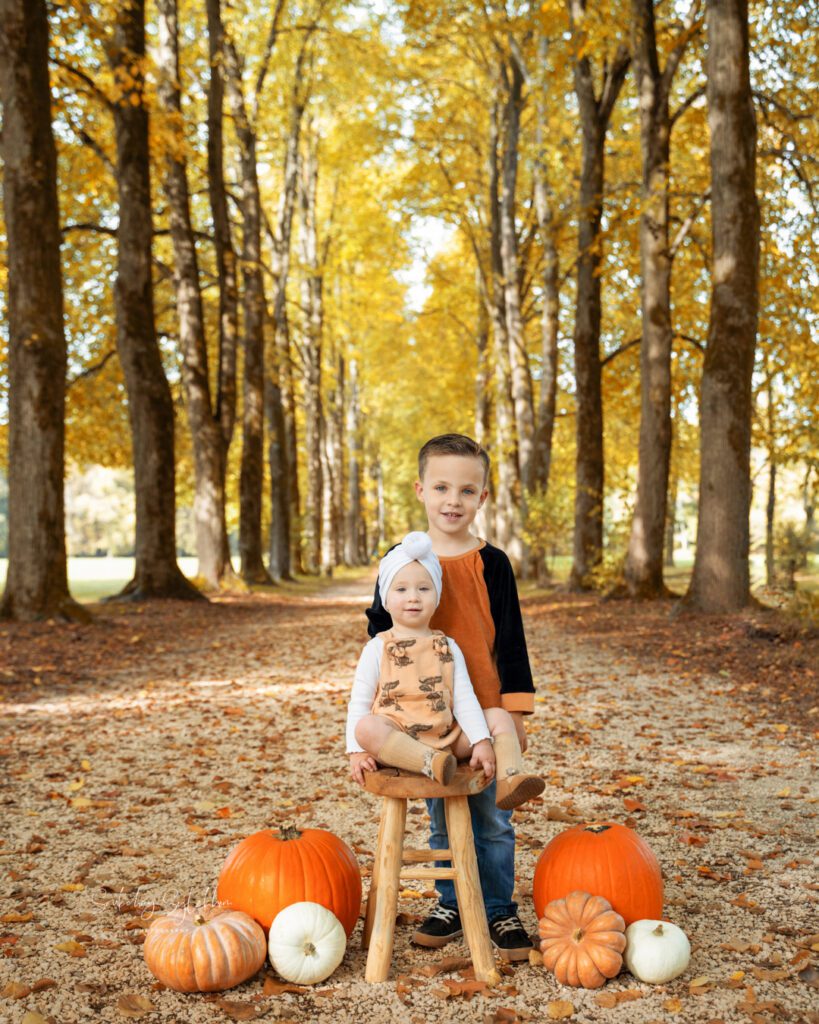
(393, 864)
(409, 786)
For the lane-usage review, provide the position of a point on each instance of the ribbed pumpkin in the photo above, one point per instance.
(268, 871)
(605, 859)
(204, 949)
(582, 940)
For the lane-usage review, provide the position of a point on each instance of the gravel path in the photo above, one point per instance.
(137, 751)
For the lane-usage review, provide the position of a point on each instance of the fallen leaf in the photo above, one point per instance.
(554, 813)
(559, 1009)
(672, 1005)
(15, 990)
(272, 987)
(810, 976)
(633, 805)
(71, 947)
(608, 1000)
(467, 989)
(72, 887)
(700, 985)
(240, 1011)
(446, 966)
(133, 1005)
(42, 984)
(535, 958)
(13, 918)
(32, 1017)
(762, 974)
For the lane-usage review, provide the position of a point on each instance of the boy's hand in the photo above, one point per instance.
(360, 763)
(483, 756)
(520, 729)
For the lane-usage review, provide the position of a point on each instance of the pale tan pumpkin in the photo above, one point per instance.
(204, 949)
(582, 940)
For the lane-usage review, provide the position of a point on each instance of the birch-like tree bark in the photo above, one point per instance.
(37, 582)
(505, 453)
(595, 113)
(284, 484)
(549, 317)
(644, 560)
(150, 407)
(253, 308)
(209, 496)
(226, 266)
(721, 578)
(520, 374)
(311, 302)
(354, 550)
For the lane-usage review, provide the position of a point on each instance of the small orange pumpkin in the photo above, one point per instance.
(205, 949)
(582, 940)
(268, 871)
(606, 859)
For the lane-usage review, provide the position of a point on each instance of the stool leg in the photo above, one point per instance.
(371, 896)
(468, 887)
(386, 875)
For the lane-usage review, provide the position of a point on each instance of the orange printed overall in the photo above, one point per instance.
(415, 688)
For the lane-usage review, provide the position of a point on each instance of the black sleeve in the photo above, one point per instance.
(511, 655)
(378, 618)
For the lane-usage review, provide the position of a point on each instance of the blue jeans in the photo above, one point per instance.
(494, 848)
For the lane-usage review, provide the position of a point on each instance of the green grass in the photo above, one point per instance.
(91, 579)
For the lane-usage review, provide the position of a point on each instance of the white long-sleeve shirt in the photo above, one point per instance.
(466, 709)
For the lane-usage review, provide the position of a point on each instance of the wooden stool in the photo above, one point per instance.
(396, 787)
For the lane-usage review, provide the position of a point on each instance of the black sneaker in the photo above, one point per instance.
(442, 926)
(509, 938)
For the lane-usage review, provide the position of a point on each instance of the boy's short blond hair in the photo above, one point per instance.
(452, 444)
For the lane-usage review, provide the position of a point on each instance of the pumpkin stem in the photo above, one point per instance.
(199, 920)
(658, 930)
(289, 831)
(310, 949)
(577, 935)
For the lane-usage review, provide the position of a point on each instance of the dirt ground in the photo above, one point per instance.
(138, 750)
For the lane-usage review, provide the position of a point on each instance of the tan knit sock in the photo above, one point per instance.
(402, 751)
(514, 786)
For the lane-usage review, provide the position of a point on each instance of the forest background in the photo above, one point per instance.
(370, 223)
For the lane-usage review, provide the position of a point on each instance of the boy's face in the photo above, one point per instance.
(412, 598)
(452, 491)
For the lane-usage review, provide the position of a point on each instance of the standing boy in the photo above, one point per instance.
(479, 609)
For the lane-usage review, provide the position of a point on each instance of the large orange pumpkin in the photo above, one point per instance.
(268, 871)
(605, 859)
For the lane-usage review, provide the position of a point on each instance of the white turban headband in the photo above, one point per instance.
(415, 547)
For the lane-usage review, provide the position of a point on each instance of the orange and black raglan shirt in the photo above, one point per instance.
(480, 610)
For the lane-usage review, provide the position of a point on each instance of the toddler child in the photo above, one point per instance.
(412, 704)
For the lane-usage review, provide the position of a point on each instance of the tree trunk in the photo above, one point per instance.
(225, 254)
(549, 322)
(671, 521)
(150, 407)
(521, 378)
(505, 454)
(721, 579)
(284, 477)
(482, 369)
(644, 560)
(209, 499)
(589, 481)
(253, 310)
(37, 584)
(770, 506)
(354, 550)
(311, 346)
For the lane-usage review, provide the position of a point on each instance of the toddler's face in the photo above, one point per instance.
(412, 598)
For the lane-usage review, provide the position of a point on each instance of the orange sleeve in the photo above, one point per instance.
(523, 702)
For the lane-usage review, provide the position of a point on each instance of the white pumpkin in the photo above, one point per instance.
(656, 951)
(306, 943)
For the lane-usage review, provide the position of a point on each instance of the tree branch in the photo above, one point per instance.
(91, 371)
